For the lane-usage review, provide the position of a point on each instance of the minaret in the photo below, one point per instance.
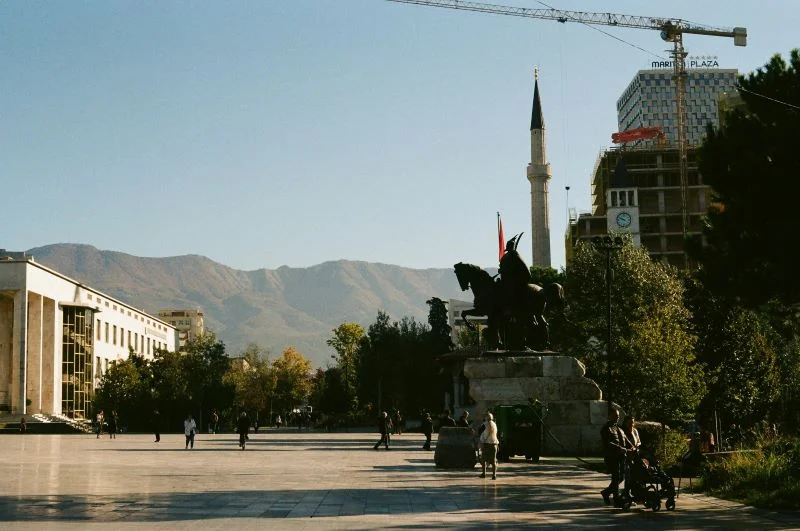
(539, 177)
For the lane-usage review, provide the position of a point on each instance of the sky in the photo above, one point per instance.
(294, 132)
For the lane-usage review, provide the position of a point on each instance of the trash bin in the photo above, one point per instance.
(519, 429)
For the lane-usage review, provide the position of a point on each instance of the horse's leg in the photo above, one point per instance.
(467, 322)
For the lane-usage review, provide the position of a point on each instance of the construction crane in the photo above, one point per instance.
(672, 30)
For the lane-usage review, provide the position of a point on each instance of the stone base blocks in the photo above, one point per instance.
(575, 411)
(455, 448)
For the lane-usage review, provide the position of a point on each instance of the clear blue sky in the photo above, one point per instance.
(268, 133)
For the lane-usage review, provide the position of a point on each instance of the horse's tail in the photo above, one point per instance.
(555, 295)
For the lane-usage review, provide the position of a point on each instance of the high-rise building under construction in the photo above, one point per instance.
(636, 188)
(649, 101)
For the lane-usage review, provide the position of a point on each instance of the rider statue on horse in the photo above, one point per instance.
(513, 305)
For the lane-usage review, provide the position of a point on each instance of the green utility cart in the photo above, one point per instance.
(519, 428)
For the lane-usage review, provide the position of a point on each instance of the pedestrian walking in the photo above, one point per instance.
(243, 426)
(189, 429)
(489, 444)
(214, 421)
(156, 422)
(23, 427)
(427, 429)
(278, 422)
(112, 425)
(615, 451)
(385, 428)
(397, 420)
(99, 419)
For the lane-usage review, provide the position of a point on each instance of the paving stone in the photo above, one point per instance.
(311, 481)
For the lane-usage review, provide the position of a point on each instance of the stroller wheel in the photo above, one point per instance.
(671, 504)
(626, 505)
(657, 506)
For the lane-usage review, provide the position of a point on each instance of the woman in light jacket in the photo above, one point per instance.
(489, 444)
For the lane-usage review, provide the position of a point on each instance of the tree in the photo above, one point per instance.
(125, 387)
(655, 374)
(252, 379)
(292, 379)
(345, 341)
(752, 164)
(546, 275)
(439, 323)
(738, 347)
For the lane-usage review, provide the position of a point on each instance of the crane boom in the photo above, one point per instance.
(668, 25)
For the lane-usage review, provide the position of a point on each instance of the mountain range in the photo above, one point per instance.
(274, 308)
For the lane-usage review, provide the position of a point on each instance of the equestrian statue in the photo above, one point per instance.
(513, 306)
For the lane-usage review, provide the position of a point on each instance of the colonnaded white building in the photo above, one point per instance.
(58, 336)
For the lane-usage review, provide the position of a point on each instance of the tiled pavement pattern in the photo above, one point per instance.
(291, 480)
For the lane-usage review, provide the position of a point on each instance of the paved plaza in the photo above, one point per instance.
(291, 480)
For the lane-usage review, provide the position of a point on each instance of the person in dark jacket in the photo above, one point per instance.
(448, 419)
(615, 450)
(427, 429)
(113, 422)
(157, 425)
(385, 428)
(243, 428)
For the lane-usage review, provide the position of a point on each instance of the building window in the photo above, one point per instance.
(136, 342)
(115, 334)
(98, 329)
(121, 337)
(129, 338)
(106, 332)
(148, 346)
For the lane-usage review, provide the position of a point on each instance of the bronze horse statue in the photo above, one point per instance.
(512, 325)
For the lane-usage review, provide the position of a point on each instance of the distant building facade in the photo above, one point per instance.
(189, 323)
(650, 101)
(58, 337)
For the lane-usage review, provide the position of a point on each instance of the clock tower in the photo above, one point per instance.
(622, 203)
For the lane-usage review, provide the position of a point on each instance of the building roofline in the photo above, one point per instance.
(34, 263)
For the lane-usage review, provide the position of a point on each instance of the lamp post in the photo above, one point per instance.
(609, 245)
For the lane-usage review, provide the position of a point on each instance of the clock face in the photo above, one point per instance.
(623, 219)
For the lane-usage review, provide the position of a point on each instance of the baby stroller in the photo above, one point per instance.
(647, 483)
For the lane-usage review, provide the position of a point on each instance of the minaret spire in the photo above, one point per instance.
(539, 176)
(537, 120)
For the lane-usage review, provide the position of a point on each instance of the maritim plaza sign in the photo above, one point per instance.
(693, 61)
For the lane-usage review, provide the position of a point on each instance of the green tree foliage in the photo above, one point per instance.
(125, 387)
(397, 362)
(654, 371)
(345, 342)
(252, 379)
(292, 372)
(737, 346)
(546, 275)
(174, 382)
(752, 164)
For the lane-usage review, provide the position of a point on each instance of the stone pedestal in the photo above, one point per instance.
(455, 448)
(574, 411)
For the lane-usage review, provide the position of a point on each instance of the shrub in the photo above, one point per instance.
(767, 477)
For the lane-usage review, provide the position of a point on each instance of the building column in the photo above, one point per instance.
(6, 348)
(18, 351)
(33, 369)
(51, 366)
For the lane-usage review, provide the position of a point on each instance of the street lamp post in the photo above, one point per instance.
(609, 244)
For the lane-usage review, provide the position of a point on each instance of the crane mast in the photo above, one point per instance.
(671, 29)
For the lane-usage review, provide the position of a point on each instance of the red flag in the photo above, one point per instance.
(501, 240)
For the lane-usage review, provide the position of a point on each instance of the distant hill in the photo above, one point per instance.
(273, 308)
